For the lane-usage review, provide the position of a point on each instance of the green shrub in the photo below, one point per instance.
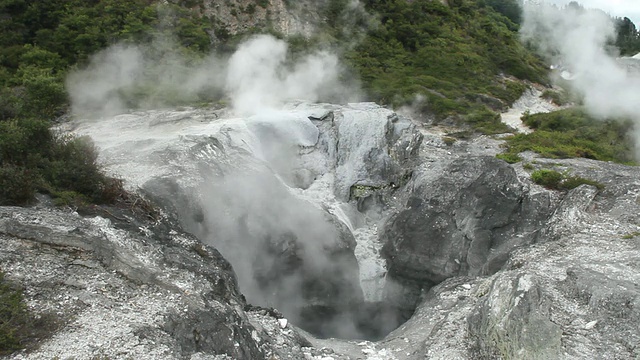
(32, 159)
(17, 185)
(559, 98)
(511, 158)
(448, 140)
(14, 318)
(74, 168)
(572, 182)
(69, 198)
(572, 133)
(548, 178)
(552, 179)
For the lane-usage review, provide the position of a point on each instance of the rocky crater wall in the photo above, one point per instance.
(349, 221)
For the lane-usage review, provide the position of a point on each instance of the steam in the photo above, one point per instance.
(257, 77)
(577, 39)
(287, 253)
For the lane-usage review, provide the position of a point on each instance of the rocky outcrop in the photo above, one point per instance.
(463, 218)
(571, 295)
(241, 16)
(512, 321)
(151, 293)
(482, 262)
(373, 150)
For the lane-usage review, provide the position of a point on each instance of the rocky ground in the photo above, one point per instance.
(482, 262)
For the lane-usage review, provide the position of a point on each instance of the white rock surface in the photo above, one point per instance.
(529, 101)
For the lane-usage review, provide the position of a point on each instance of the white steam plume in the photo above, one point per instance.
(257, 77)
(577, 39)
(96, 88)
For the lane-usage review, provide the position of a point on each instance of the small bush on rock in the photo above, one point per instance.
(552, 179)
(32, 159)
(548, 178)
(511, 158)
(14, 317)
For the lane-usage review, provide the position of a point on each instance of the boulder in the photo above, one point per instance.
(512, 321)
(463, 219)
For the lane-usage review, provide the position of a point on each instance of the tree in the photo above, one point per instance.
(628, 39)
(509, 8)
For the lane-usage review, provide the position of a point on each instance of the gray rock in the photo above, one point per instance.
(241, 186)
(484, 262)
(123, 292)
(374, 144)
(512, 322)
(463, 219)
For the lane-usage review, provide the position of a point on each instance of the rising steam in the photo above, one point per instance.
(287, 252)
(578, 39)
(258, 76)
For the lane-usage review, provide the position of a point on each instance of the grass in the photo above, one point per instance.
(571, 133)
(558, 97)
(511, 158)
(555, 180)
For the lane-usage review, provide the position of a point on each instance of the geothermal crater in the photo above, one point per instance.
(291, 198)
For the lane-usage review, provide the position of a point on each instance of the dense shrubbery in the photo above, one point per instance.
(628, 39)
(39, 41)
(33, 159)
(572, 133)
(448, 54)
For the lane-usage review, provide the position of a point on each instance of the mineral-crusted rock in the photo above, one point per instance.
(146, 294)
(460, 219)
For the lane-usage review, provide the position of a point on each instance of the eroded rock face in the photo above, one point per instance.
(286, 17)
(571, 295)
(472, 245)
(512, 321)
(155, 293)
(272, 192)
(463, 219)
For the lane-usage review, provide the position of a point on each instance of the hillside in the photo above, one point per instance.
(461, 61)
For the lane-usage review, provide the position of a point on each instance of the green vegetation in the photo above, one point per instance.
(552, 179)
(448, 140)
(631, 235)
(572, 133)
(558, 97)
(14, 318)
(19, 327)
(628, 39)
(452, 56)
(40, 41)
(511, 158)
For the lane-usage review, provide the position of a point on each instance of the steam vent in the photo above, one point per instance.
(319, 180)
